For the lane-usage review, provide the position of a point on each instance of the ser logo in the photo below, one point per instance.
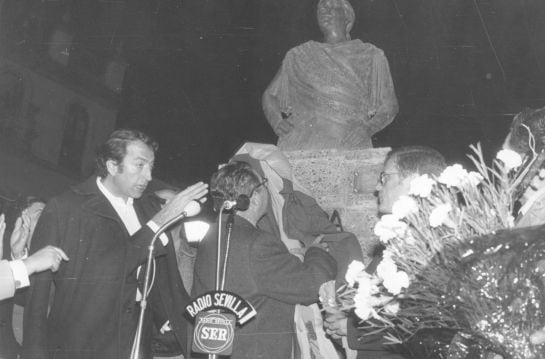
(214, 333)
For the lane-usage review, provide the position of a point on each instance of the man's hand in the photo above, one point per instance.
(319, 244)
(20, 237)
(335, 324)
(178, 203)
(46, 258)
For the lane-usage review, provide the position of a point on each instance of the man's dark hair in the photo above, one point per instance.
(527, 121)
(232, 180)
(419, 160)
(115, 147)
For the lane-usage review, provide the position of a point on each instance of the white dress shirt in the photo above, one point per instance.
(20, 273)
(126, 212)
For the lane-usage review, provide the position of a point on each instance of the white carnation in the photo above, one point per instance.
(439, 214)
(362, 304)
(386, 268)
(363, 311)
(396, 281)
(392, 307)
(421, 186)
(387, 254)
(473, 179)
(367, 285)
(510, 159)
(389, 227)
(453, 176)
(404, 206)
(354, 269)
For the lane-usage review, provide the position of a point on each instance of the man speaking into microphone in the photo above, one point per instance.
(259, 267)
(105, 225)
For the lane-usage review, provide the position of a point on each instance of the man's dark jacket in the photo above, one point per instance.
(93, 312)
(261, 270)
(369, 346)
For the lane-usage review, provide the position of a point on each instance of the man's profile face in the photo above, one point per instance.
(131, 177)
(391, 186)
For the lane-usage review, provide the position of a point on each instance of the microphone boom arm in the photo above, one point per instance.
(135, 354)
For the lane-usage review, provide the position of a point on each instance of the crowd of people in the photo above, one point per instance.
(78, 263)
(85, 253)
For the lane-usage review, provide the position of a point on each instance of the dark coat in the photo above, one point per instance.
(261, 270)
(93, 311)
(369, 346)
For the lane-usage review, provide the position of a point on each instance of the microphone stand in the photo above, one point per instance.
(219, 283)
(135, 352)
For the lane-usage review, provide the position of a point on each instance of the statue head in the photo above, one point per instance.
(335, 18)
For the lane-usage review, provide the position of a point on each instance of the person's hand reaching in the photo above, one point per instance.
(46, 258)
(20, 237)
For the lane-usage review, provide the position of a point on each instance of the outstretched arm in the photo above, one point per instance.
(283, 276)
(35, 318)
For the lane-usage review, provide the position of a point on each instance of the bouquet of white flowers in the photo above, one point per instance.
(444, 266)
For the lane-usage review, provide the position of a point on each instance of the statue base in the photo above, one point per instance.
(345, 181)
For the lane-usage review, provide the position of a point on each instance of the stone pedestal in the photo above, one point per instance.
(344, 181)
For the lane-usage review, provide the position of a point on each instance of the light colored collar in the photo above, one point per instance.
(110, 197)
(539, 194)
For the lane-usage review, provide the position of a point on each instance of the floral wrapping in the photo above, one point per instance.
(456, 280)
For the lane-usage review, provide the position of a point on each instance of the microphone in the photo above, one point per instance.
(241, 203)
(192, 209)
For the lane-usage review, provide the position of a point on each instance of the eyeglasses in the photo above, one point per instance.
(262, 183)
(383, 175)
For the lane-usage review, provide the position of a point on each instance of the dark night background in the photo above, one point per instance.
(197, 68)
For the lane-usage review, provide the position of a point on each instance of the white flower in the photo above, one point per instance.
(421, 186)
(386, 268)
(354, 269)
(389, 227)
(510, 221)
(473, 179)
(387, 254)
(392, 307)
(404, 206)
(510, 159)
(396, 281)
(367, 285)
(363, 311)
(362, 303)
(439, 214)
(453, 176)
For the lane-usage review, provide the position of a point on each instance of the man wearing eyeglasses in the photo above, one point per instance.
(259, 267)
(401, 166)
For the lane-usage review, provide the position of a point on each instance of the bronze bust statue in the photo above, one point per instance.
(334, 94)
